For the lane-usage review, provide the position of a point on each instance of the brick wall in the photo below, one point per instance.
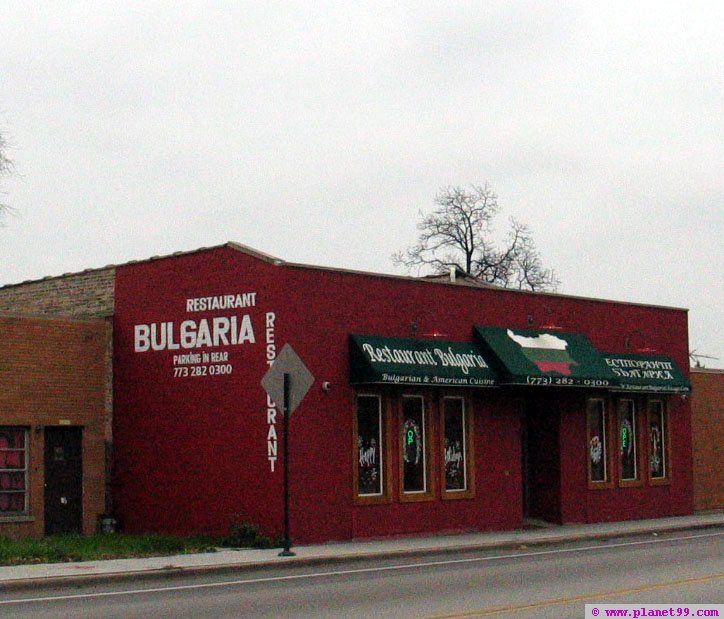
(707, 412)
(89, 294)
(79, 295)
(53, 373)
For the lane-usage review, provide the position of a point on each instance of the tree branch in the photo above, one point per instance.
(457, 233)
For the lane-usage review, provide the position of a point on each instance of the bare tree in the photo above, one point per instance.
(458, 235)
(6, 166)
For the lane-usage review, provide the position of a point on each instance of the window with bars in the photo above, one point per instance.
(13, 470)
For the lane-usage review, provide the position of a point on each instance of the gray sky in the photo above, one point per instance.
(316, 132)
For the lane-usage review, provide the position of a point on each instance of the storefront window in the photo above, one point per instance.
(455, 444)
(658, 465)
(13, 470)
(627, 440)
(369, 446)
(413, 445)
(597, 444)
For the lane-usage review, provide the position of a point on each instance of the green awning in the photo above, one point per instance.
(648, 373)
(403, 361)
(538, 357)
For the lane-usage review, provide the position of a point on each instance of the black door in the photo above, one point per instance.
(63, 480)
(541, 459)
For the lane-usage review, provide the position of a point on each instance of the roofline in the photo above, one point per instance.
(237, 246)
(47, 278)
(707, 370)
(409, 278)
(245, 249)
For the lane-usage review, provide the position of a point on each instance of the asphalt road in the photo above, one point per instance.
(551, 581)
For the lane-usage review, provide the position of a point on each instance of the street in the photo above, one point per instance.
(544, 581)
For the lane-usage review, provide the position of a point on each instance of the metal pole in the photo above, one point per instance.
(285, 430)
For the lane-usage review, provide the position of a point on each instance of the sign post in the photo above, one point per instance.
(286, 552)
(287, 381)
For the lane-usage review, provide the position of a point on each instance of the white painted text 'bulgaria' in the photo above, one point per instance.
(219, 331)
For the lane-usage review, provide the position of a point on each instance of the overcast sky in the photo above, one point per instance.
(316, 131)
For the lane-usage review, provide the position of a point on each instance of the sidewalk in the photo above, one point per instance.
(51, 574)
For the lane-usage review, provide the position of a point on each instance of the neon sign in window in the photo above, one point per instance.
(627, 440)
(413, 445)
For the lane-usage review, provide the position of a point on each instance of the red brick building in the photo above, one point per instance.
(52, 425)
(436, 405)
(707, 420)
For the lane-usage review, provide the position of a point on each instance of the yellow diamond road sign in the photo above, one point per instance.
(300, 379)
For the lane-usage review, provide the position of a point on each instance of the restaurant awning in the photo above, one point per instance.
(538, 357)
(647, 373)
(403, 361)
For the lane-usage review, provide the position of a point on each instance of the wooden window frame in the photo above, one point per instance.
(385, 452)
(428, 494)
(469, 449)
(608, 482)
(666, 442)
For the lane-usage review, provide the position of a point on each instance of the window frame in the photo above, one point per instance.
(385, 453)
(468, 446)
(428, 494)
(25, 450)
(608, 482)
(665, 442)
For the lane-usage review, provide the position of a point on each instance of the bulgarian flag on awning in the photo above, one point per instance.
(538, 357)
(546, 351)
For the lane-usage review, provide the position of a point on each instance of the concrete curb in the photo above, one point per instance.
(90, 579)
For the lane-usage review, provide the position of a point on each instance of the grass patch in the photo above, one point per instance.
(64, 548)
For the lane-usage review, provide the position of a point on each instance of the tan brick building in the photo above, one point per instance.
(707, 421)
(85, 295)
(52, 424)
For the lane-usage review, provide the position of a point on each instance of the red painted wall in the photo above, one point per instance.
(191, 453)
(579, 504)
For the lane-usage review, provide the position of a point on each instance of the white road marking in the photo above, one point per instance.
(367, 570)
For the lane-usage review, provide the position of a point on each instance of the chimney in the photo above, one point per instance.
(453, 274)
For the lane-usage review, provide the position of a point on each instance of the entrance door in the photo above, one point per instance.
(63, 480)
(541, 459)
